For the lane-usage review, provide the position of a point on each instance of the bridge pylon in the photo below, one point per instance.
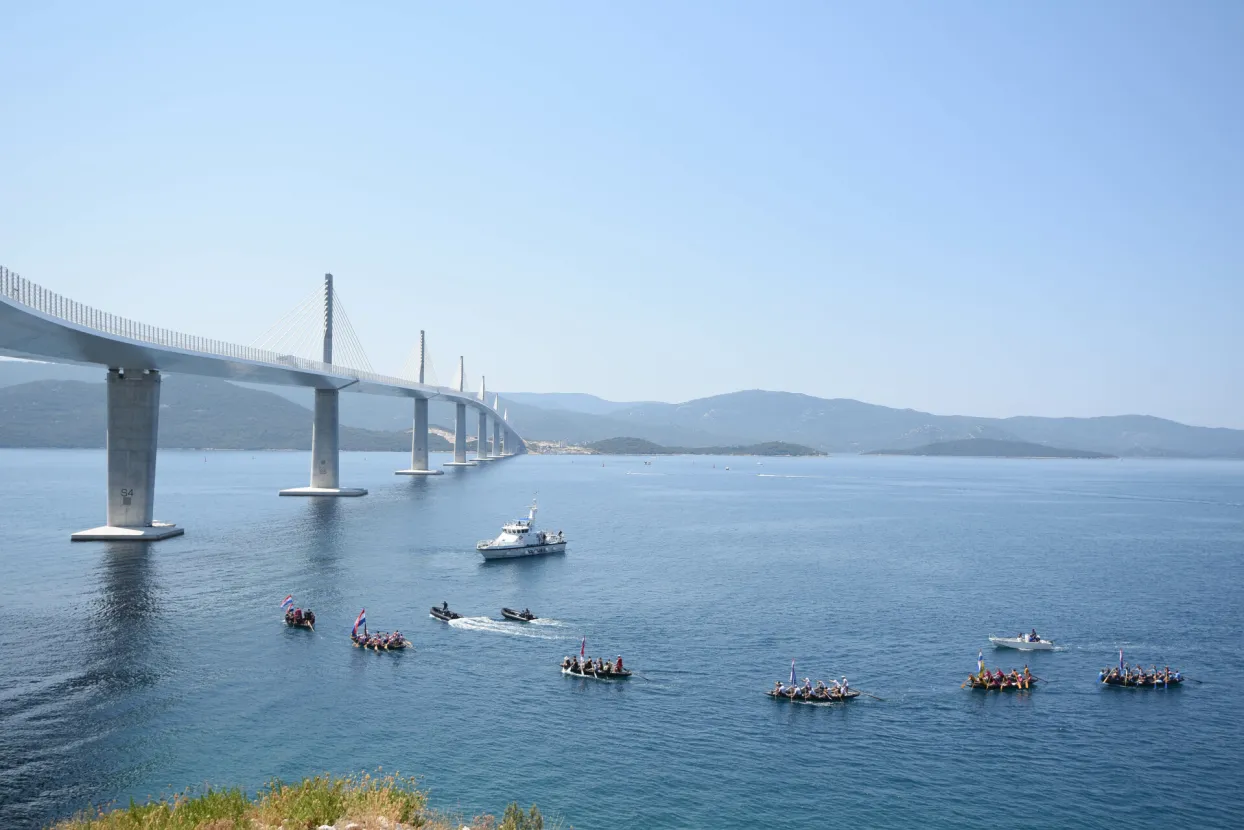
(496, 431)
(325, 426)
(419, 429)
(460, 424)
(481, 431)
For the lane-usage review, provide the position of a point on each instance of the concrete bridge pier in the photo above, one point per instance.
(460, 426)
(133, 429)
(419, 444)
(496, 438)
(481, 438)
(460, 438)
(419, 430)
(325, 428)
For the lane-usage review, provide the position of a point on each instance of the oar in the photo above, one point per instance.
(874, 697)
(1194, 680)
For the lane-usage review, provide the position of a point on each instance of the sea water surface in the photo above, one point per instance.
(130, 670)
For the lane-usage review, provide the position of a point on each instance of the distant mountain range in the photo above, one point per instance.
(991, 448)
(837, 425)
(842, 425)
(638, 446)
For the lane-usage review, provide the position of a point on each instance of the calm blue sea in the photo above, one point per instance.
(128, 670)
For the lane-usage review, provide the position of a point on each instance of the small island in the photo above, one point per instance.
(639, 446)
(992, 448)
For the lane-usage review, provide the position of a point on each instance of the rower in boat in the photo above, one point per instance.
(1000, 681)
(809, 693)
(1137, 678)
(299, 618)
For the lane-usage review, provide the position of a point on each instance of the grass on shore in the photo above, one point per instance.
(371, 802)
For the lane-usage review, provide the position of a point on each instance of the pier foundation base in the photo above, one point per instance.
(133, 400)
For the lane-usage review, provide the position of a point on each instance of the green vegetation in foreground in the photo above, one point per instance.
(991, 448)
(370, 802)
(638, 446)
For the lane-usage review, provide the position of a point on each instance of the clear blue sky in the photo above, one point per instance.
(978, 208)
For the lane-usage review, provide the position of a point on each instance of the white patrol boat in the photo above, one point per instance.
(520, 538)
(1024, 642)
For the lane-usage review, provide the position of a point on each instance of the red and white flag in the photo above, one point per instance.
(583, 647)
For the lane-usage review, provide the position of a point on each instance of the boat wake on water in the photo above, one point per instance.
(501, 627)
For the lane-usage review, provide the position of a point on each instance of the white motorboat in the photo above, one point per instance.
(520, 538)
(1023, 643)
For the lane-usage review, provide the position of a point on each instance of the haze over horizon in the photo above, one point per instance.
(960, 209)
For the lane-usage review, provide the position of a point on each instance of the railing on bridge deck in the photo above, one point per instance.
(23, 291)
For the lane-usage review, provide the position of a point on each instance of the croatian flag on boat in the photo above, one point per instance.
(980, 660)
(792, 672)
(583, 647)
(1120, 661)
(361, 620)
(288, 602)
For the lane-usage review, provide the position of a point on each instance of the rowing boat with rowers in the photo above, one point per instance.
(1130, 680)
(797, 696)
(611, 674)
(1006, 684)
(381, 642)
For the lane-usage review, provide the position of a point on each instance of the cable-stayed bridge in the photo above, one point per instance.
(39, 324)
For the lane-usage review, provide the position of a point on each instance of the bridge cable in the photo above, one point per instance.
(278, 337)
(355, 355)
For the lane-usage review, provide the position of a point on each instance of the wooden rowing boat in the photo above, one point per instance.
(404, 644)
(1149, 682)
(1006, 686)
(600, 676)
(832, 698)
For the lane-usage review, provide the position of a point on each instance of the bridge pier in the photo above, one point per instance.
(133, 429)
(460, 438)
(481, 438)
(325, 428)
(325, 451)
(496, 438)
(419, 444)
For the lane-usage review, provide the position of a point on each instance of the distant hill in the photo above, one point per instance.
(195, 412)
(568, 401)
(848, 426)
(991, 448)
(638, 446)
(747, 418)
(13, 372)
